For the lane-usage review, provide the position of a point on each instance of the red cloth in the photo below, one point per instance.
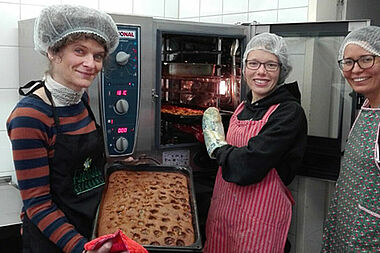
(120, 243)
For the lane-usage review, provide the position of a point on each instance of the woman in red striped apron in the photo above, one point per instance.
(353, 219)
(251, 207)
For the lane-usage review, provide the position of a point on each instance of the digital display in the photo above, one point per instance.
(122, 130)
(121, 92)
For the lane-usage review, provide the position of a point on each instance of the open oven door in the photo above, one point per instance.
(329, 103)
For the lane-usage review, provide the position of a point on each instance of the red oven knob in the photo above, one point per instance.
(121, 106)
(121, 144)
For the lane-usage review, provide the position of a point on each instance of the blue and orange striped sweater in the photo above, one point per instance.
(32, 133)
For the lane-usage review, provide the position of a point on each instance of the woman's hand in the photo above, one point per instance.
(213, 130)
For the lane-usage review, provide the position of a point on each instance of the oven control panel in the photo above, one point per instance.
(120, 93)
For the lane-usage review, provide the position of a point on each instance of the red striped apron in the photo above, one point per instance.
(254, 218)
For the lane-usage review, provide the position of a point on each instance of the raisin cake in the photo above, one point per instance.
(150, 207)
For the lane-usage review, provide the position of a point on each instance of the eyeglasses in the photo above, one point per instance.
(364, 62)
(269, 66)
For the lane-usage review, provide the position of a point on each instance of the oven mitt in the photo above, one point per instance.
(213, 130)
(120, 243)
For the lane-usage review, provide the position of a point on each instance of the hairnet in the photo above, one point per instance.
(273, 44)
(366, 37)
(58, 21)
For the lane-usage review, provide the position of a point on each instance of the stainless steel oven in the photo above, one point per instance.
(160, 65)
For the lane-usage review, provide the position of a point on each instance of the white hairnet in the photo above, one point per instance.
(58, 21)
(273, 44)
(366, 37)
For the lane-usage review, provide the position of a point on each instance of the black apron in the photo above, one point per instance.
(76, 180)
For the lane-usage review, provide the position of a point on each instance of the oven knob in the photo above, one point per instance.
(121, 144)
(121, 106)
(122, 58)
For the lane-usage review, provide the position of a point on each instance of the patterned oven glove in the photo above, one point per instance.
(213, 130)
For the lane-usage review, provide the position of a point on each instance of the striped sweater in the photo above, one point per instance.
(30, 129)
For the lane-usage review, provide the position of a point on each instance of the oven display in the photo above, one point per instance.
(120, 89)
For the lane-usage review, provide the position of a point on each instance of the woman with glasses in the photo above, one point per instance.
(251, 206)
(353, 220)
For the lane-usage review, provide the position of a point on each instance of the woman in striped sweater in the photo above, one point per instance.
(57, 147)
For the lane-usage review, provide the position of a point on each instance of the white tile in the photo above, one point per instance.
(41, 2)
(259, 5)
(171, 8)
(212, 19)
(6, 159)
(292, 3)
(8, 98)
(235, 18)
(30, 11)
(149, 7)
(211, 7)
(188, 8)
(196, 19)
(87, 3)
(9, 67)
(11, 1)
(292, 15)
(10, 14)
(116, 6)
(235, 6)
(263, 17)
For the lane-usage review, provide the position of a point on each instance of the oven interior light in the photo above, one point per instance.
(222, 87)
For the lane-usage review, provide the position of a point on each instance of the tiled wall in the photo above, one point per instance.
(215, 11)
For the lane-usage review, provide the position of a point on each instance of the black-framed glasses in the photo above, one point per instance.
(269, 66)
(364, 62)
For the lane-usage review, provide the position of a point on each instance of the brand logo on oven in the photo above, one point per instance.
(127, 34)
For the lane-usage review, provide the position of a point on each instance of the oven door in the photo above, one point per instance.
(329, 103)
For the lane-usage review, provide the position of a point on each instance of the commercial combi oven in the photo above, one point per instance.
(171, 70)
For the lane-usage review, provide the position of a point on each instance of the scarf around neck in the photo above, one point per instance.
(62, 96)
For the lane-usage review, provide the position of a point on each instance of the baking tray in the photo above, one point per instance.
(184, 119)
(197, 245)
(191, 119)
(191, 69)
